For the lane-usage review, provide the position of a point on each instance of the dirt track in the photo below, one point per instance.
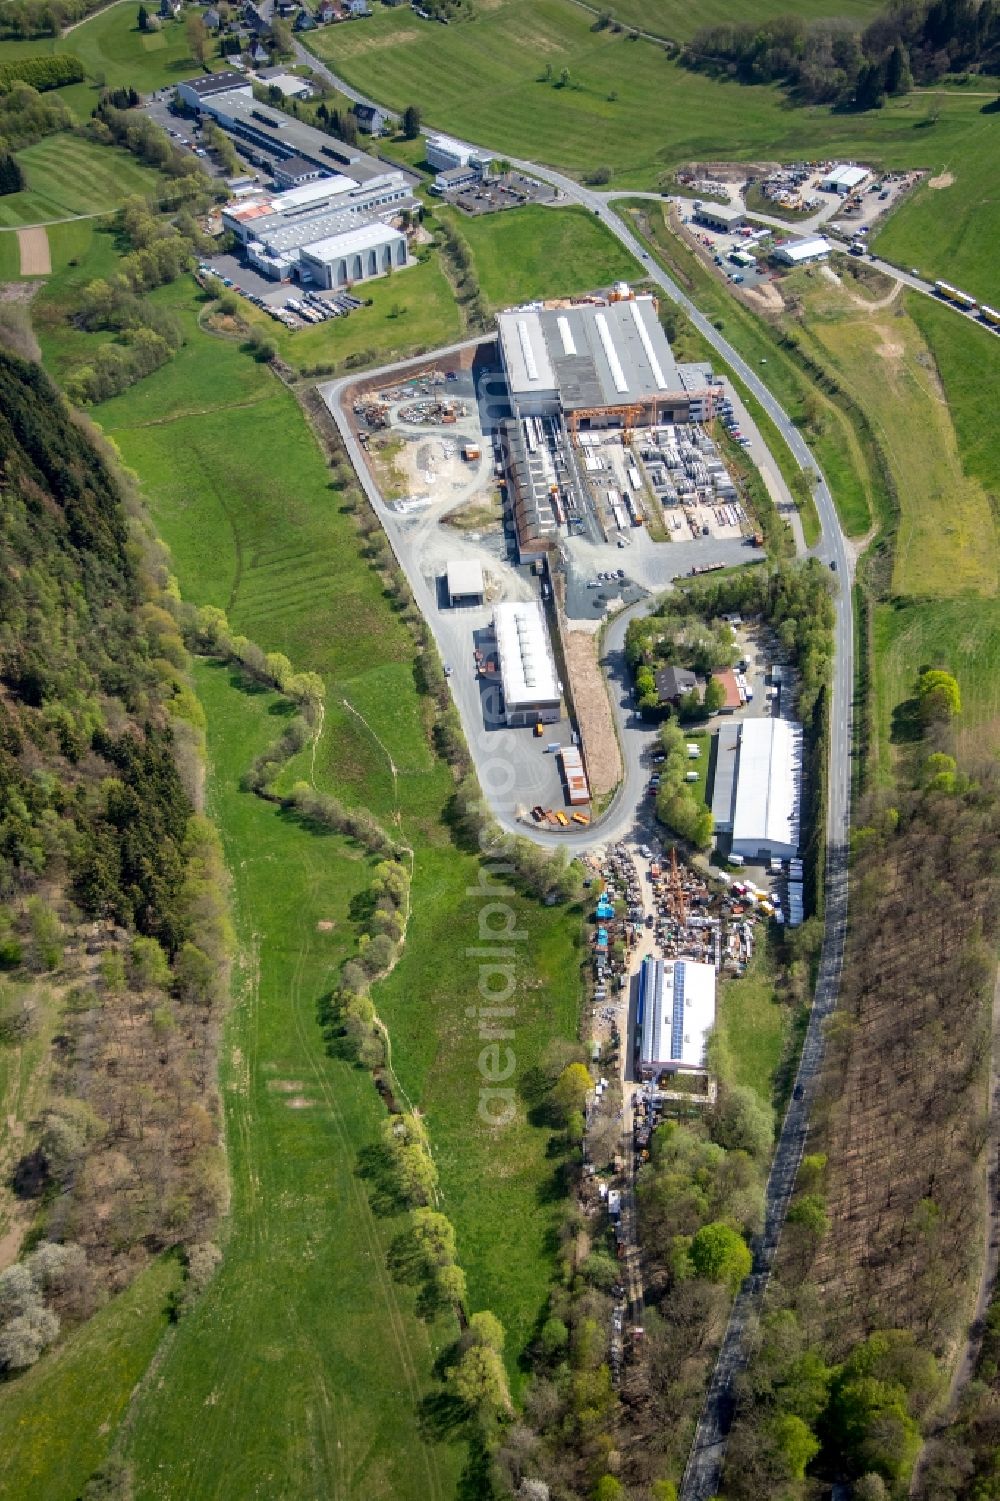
(34, 246)
(590, 697)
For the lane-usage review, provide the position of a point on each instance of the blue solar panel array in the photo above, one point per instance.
(677, 1022)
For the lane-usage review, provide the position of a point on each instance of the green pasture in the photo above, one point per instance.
(57, 1421)
(301, 1370)
(752, 1027)
(630, 108)
(240, 493)
(531, 252)
(945, 543)
(677, 21)
(67, 175)
(115, 52)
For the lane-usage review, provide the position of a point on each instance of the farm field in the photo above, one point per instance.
(56, 1422)
(303, 1365)
(629, 108)
(241, 495)
(677, 21)
(68, 176)
(946, 543)
(542, 252)
(114, 50)
(961, 634)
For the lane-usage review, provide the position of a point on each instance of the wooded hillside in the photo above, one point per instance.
(113, 928)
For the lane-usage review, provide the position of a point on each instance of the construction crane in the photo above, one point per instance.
(630, 416)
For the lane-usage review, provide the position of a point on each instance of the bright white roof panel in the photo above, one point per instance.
(566, 334)
(678, 1012)
(368, 237)
(526, 665)
(611, 354)
(538, 375)
(805, 250)
(647, 345)
(312, 192)
(768, 788)
(465, 576)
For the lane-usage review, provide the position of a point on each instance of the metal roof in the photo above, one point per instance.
(678, 1011)
(465, 576)
(526, 665)
(766, 810)
(350, 241)
(591, 354)
(804, 250)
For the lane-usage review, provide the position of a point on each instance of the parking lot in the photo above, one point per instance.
(292, 305)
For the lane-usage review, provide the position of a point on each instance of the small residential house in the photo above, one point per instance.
(304, 22)
(259, 54)
(357, 10)
(672, 683)
(169, 9)
(370, 119)
(328, 12)
(212, 19)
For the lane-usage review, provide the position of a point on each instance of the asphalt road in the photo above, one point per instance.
(704, 1470)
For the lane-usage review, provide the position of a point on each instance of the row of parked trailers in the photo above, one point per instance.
(967, 304)
(624, 508)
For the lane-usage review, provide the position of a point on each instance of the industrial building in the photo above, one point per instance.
(444, 153)
(722, 217)
(464, 582)
(844, 178)
(594, 364)
(267, 136)
(532, 692)
(530, 477)
(328, 232)
(676, 1013)
(802, 252)
(758, 787)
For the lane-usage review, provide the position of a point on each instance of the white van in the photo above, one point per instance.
(736, 860)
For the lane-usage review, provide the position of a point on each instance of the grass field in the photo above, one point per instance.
(67, 176)
(678, 21)
(411, 310)
(962, 634)
(241, 495)
(752, 1028)
(628, 107)
(114, 51)
(56, 1421)
(302, 1368)
(946, 543)
(534, 252)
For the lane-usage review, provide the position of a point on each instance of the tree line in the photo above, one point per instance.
(911, 41)
(112, 886)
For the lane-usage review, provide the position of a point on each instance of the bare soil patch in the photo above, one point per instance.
(325, 925)
(943, 180)
(590, 696)
(34, 247)
(766, 295)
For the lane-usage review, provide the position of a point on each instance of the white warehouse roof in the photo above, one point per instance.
(845, 177)
(766, 810)
(464, 577)
(798, 251)
(526, 665)
(678, 1012)
(318, 191)
(351, 242)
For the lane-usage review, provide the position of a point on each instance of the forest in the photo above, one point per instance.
(911, 41)
(114, 930)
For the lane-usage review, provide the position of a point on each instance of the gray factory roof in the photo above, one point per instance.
(594, 356)
(281, 235)
(288, 137)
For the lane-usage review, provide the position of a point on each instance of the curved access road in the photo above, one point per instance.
(703, 1474)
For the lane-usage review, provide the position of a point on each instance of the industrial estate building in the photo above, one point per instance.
(595, 364)
(267, 136)
(532, 692)
(758, 787)
(574, 367)
(722, 217)
(445, 154)
(844, 178)
(464, 582)
(802, 252)
(676, 1013)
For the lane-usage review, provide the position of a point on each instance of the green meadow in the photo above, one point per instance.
(67, 175)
